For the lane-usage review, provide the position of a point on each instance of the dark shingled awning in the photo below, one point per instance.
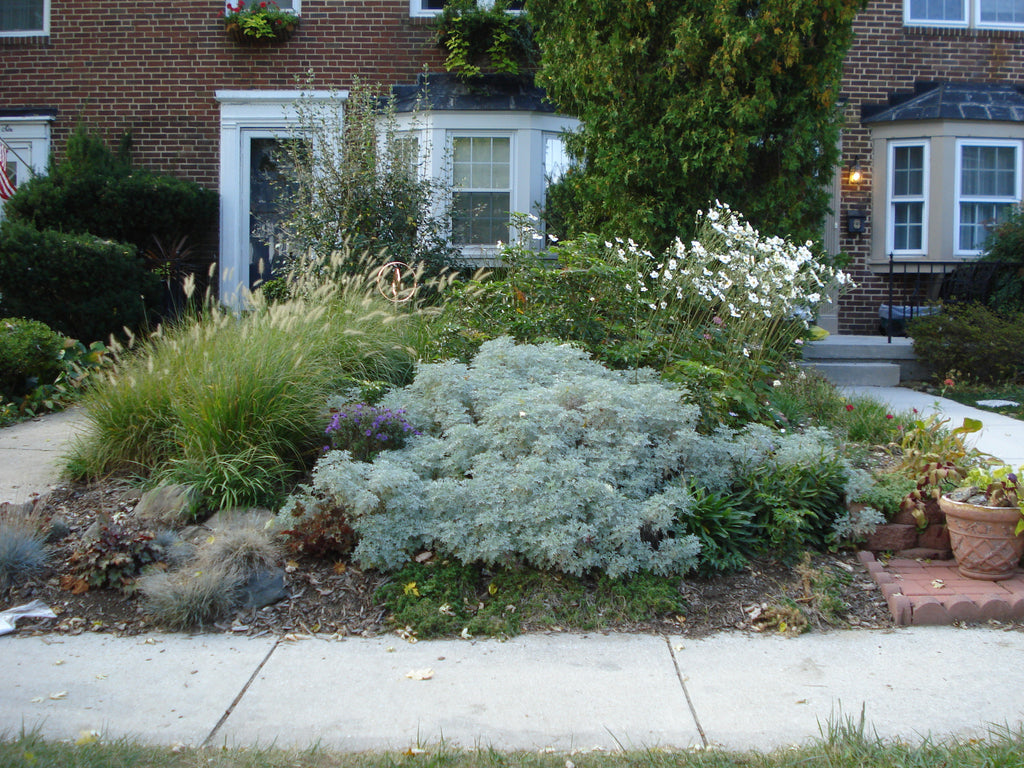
(951, 101)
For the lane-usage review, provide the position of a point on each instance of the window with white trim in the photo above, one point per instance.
(434, 7)
(908, 203)
(24, 18)
(984, 14)
(482, 189)
(988, 184)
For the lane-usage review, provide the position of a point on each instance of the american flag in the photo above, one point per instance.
(6, 185)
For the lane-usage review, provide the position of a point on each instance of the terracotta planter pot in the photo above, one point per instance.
(984, 542)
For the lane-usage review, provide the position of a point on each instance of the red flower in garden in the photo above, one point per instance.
(849, 406)
(949, 383)
(889, 416)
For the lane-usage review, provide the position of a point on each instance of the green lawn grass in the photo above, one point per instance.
(842, 745)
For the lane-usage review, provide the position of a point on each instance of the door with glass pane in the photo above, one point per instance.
(266, 178)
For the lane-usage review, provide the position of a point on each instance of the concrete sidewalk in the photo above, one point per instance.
(31, 451)
(562, 692)
(1000, 435)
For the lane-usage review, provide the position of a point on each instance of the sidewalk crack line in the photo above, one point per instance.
(241, 693)
(686, 693)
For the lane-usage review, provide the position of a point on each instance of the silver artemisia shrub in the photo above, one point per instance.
(536, 454)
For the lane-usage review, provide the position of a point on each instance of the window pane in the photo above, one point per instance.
(433, 5)
(938, 10)
(1001, 11)
(556, 159)
(21, 15)
(480, 218)
(908, 171)
(976, 219)
(908, 226)
(988, 171)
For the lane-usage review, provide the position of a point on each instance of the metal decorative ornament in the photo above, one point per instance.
(397, 282)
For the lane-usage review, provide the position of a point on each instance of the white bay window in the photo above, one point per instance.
(984, 14)
(988, 185)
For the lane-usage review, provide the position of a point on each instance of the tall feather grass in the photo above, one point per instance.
(233, 402)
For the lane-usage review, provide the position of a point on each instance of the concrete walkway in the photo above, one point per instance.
(536, 692)
(541, 691)
(30, 454)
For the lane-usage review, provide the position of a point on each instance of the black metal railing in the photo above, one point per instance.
(960, 281)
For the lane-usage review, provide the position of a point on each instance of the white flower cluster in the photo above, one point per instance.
(733, 267)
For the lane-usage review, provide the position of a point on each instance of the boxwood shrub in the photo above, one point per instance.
(79, 285)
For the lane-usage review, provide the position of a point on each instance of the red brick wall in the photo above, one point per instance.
(153, 68)
(887, 57)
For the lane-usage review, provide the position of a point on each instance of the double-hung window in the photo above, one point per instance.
(986, 14)
(908, 203)
(482, 189)
(24, 17)
(434, 7)
(988, 183)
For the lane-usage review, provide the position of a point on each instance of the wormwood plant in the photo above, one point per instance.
(536, 454)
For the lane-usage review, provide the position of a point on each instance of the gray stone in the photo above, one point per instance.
(262, 588)
(998, 403)
(168, 505)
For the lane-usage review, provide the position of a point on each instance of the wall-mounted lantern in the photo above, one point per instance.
(856, 174)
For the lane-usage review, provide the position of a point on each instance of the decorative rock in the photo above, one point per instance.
(963, 494)
(998, 404)
(262, 588)
(892, 538)
(168, 505)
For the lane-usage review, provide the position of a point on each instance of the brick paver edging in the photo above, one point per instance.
(921, 592)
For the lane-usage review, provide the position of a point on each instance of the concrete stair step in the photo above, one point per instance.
(863, 374)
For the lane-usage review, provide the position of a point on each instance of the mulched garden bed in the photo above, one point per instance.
(338, 598)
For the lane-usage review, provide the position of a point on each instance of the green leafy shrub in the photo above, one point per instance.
(725, 531)
(79, 285)
(986, 346)
(23, 550)
(234, 404)
(477, 37)
(1005, 244)
(795, 497)
(360, 191)
(29, 354)
(537, 454)
(885, 493)
(94, 191)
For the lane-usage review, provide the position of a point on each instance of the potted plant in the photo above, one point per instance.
(985, 519)
(261, 21)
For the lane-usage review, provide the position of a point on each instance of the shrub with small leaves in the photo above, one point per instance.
(537, 454)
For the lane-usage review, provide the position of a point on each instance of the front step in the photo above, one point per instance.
(865, 360)
(858, 374)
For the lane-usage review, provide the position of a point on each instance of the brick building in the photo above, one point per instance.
(934, 121)
(935, 125)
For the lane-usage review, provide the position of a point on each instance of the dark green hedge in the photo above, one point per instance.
(971, 341)
(28, 350)
(79, 285)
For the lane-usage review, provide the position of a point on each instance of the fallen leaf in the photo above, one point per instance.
(59, 695)
(38, 700)
(87, 737)
(492, 588)
(58, 662)
(291, 566)
(340, 568)
(938, 583)
(413, 751)
(420, 674)
(101, 677)
(465, 634)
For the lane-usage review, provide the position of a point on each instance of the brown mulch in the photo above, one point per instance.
(338, 598)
